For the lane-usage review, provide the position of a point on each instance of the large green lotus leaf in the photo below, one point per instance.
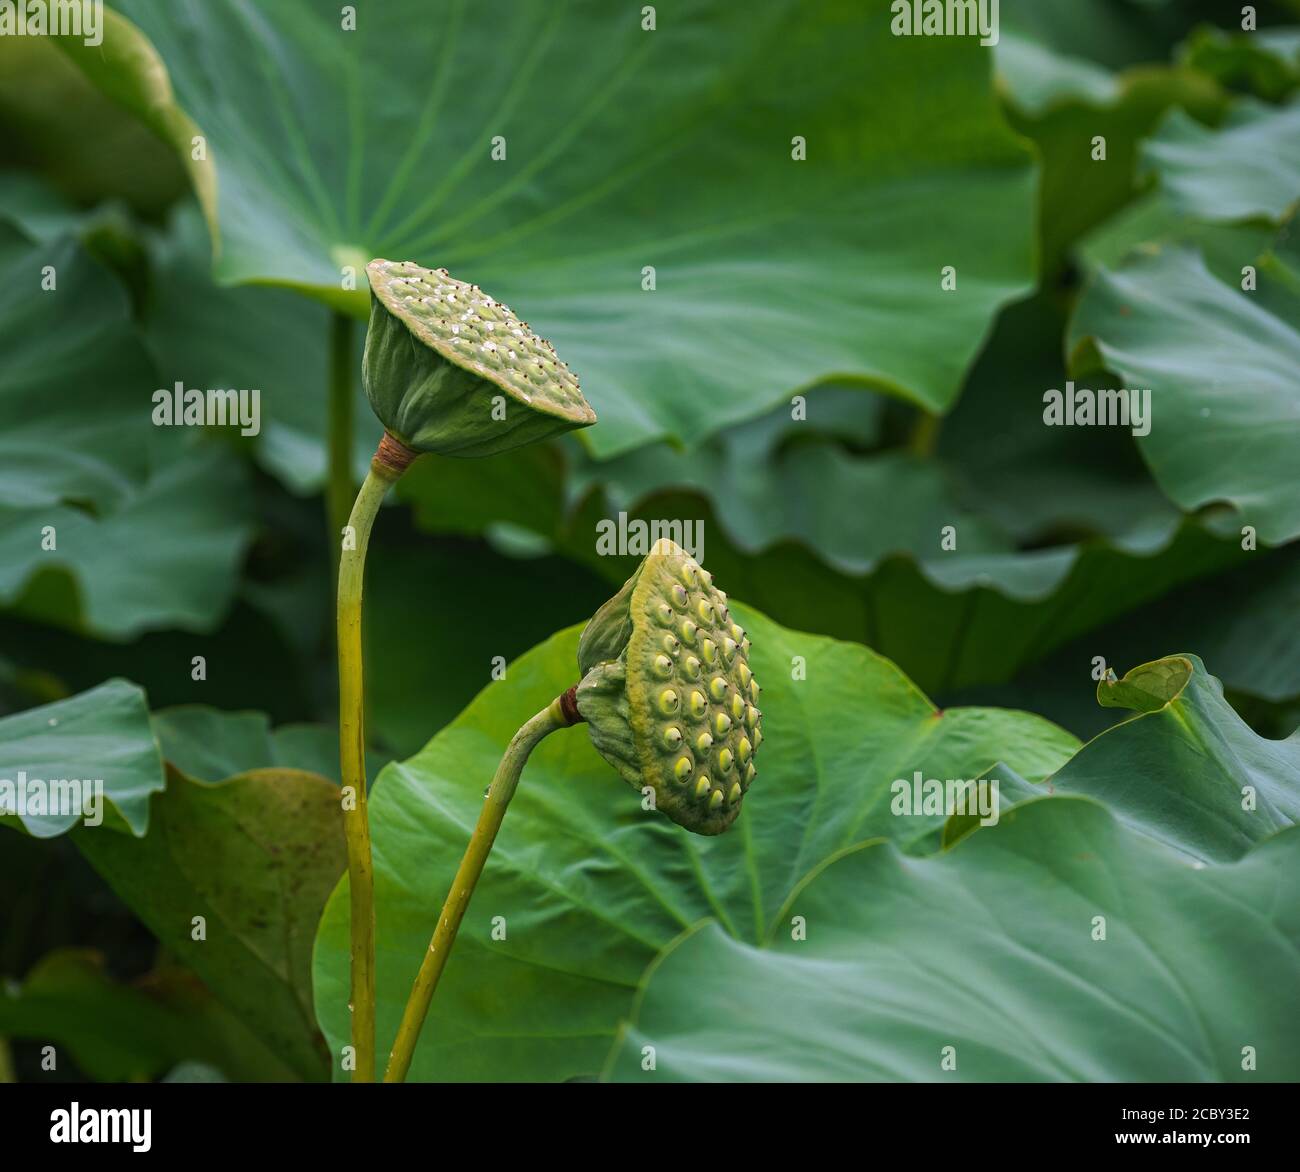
(1185, 770)
(591, 886)
(1187, 764)
(1265, 61)
(118, 482)
(1248, 167)
(256, 856)
(625, 148)
(1220, 364)
(168, 554)
(991, 949)
(768, 480)
(1078, 191)
(209, 335)
(54, 121)
(1241, 621)
(119, 1032)
(100, 735)
(75, 381)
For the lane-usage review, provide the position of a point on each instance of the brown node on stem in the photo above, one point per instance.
(569, 707)
(392, 457)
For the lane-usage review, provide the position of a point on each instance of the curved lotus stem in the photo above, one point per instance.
(560, 713)
(669, 699)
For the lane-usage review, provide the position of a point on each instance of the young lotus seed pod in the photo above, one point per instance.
(653, 711)
(448, 369)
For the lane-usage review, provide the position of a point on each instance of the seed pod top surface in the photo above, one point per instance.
(444, 362)
(668, 694)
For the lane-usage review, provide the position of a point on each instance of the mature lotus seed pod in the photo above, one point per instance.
(443, 360)
(663, 715)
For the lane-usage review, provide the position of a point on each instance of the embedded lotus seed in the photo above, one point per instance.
(704, 608)
(702, 786)
(728, 649)
(682, 770)
(699, 706)
(663, 666)
(663, 613)
(715, 799)
(751, 716)
(758, 737)
(733, 794)
(717, 687)
(737, 706)
(754, 690)
(672, 737)
(721, 724)
(737, 632)
(745, 675)
(673, 647)
(709, 649)
(687, 574)
(744, 647)
(703, 743)
(724, 759)
(744, 750)
(669, 701)
(679, 596)
(750, 773)
(692, 667)
(688, 630)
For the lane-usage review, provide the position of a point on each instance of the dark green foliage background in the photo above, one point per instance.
(923, 410)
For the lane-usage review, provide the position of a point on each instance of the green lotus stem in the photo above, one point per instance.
(924, 434)
(555, 715)
(390, 461)
(338, 494)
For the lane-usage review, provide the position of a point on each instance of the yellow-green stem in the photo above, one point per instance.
(462, 888)
(352, 761)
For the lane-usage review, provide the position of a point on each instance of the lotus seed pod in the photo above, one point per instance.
(653, 710)
(449, 369)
